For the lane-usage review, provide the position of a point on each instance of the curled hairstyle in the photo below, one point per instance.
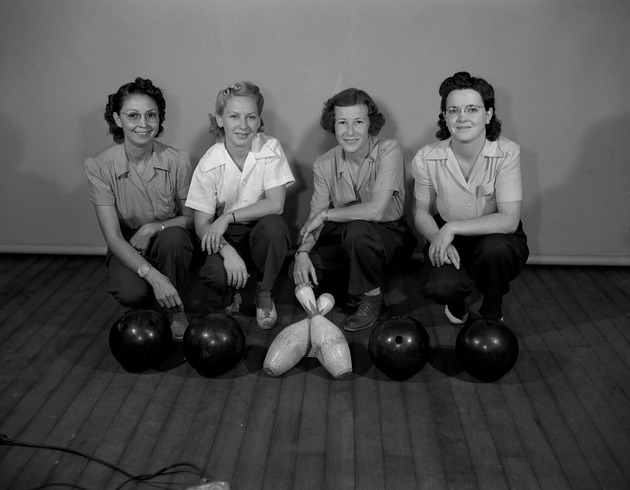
(350, 97)
(115, 102)
(460, 81)
(239, 89)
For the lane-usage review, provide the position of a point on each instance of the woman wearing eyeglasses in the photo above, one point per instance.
(468, 203)
(138, 187)
(237, 192)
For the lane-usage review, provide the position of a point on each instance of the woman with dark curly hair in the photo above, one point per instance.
(138, 187)
(468, 203)
(356, 228)
(237, 193)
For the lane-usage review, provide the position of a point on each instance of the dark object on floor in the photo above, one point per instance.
(399, 347)
(213, 344)
(141, 340)
(487, 349)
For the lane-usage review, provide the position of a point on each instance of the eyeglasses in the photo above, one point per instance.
(135, 117)
(469, 110)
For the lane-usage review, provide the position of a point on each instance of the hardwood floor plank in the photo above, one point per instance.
(310, 471)
(254, 452)
(310, 468)
(399, 465)
(368, 446)
(285, 435)
(340, 436)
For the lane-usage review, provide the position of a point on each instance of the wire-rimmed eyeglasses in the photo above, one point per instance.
(135, 117)
(469, 110)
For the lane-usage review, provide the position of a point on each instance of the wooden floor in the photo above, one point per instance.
(559, 420)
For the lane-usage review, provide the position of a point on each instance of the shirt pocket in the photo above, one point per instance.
(165, 205)
(486, 191)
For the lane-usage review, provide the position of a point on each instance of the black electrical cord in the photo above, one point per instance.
(169, 470)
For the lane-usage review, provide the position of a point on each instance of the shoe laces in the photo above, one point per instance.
(365, 307)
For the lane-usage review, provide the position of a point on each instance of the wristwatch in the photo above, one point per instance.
(143, 270)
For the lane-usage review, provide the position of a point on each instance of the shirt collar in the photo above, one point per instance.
(372, 154)
(121, 162)
(258, 150)
(439, 151)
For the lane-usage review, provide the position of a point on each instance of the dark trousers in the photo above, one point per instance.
(171, 252)
(263, 246)
(489, 262)
(361, 251)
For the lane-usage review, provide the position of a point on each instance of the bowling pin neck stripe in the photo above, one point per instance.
(305, 295)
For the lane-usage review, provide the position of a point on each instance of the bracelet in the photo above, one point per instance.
(233, 218)
(163, 226)
(326, 216)
(302, 251)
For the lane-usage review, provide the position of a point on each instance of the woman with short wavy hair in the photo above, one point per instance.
(356, 231)
(138, 187)
(237, 192)
(468, 203)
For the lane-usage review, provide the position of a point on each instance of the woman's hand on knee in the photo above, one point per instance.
(235, 268)
(165, 293)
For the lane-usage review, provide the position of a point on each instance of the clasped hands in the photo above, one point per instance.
(442, 251)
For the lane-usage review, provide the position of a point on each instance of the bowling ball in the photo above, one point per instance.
(213, 344)
(141, 339)
(399, 347)
(486, 349)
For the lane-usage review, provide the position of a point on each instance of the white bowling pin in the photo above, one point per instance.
(325, 303)
(330, 347)
(288, 348)
(305, 295)
(292, 343)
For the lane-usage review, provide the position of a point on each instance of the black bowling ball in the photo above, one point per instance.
(399, 347)
(213, 344)
(141, 339)
(486, 349)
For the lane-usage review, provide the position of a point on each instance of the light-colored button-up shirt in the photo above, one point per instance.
(219, 186)
(139, 199)
(382, 170)
(494, 178)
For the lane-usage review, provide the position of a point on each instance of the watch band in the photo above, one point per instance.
(144, 270)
